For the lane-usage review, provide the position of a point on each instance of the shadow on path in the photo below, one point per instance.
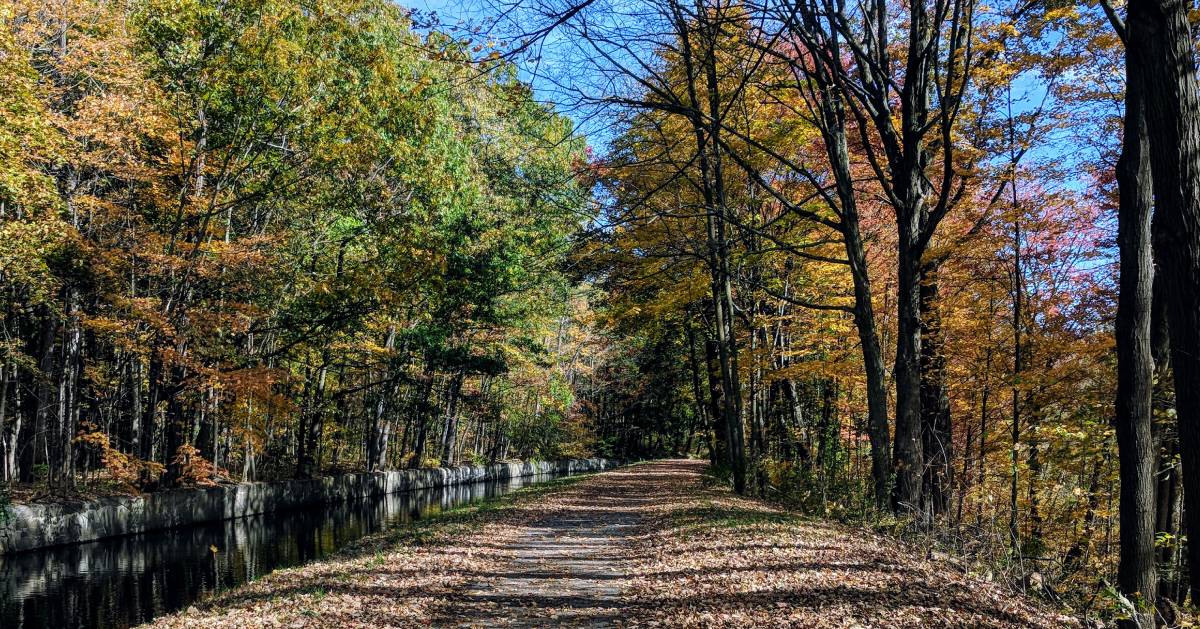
(650, 545)
(570, 566)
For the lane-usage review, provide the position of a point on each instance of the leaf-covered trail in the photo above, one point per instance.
(569, 567)
(645, 545)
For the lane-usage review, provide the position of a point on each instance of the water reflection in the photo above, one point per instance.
(124, 581)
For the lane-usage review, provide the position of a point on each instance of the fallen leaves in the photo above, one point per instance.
(707, 558)
(645, 545)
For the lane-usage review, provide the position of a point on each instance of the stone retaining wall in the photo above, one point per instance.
(26, 527)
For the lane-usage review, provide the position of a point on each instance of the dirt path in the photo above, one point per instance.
(569, 567)
(565, 570)
(651, 545)
(647, 545)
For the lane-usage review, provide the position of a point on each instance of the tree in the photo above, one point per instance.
(1161, 55)
(257, 237)
(1135, 364)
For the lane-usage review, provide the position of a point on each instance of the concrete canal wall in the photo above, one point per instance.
(26, 527)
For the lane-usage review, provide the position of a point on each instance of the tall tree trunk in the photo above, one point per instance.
(827, 443)
(907, 457)
(703, 417)
(1035, 540)
(716, 400)
(150, 411)
(41, 336)
(63, 473)
(312, 424)
(781, 409)
(908, 159)
(876, 378)
(450, 434)
(708, 150)
(207, 429)
(1160, 55)
(380, 426)
(44, 386)
(497, 450)
(981, 458)
(135, 403)
(936, 430)
(1169, 494)
(7, 444)
(1014, 529)
(1135, 368)
(423, 412)
(726, 339)
(175, 428)
(1073, 559)
(833, 130)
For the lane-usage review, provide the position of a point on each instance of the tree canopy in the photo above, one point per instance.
(928, 265)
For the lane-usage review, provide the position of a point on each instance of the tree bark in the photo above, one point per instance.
(1135, 367)
(703, 417)
(1160, 54)
(713, 188)
(450, 434)
(833, 130)
(150, 411)
(936, 430)
(907, 456)
(423, 412)
(876, 377)
(307, 463)
(716, 400)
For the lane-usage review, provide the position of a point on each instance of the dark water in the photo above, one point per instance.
(123, 581)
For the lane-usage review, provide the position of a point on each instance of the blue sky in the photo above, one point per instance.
(1029, 90)
(554, 65)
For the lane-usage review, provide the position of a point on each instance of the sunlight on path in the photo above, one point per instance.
(569, 566)
(651, 545)
(642, 546)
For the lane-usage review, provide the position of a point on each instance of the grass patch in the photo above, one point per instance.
(715, 476)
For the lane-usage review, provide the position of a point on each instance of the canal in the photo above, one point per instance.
(123, 581)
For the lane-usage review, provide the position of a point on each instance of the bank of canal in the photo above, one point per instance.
(123, 581)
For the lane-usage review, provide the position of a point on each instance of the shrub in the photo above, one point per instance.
(194, 470)
(126, 469)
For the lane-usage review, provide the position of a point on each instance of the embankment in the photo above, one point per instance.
(26, 527)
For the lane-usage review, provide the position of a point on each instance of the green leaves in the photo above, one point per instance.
(272, 210)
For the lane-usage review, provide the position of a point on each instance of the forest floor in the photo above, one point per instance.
(644, 545)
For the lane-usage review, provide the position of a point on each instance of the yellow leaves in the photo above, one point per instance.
(28, 142)
(25, 249)
(120, 332)
(1066, 11)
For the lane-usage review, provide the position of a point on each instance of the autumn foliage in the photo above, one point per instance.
(275, 238)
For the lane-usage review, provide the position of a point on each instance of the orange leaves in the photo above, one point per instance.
(194, 470)
(126, 469)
